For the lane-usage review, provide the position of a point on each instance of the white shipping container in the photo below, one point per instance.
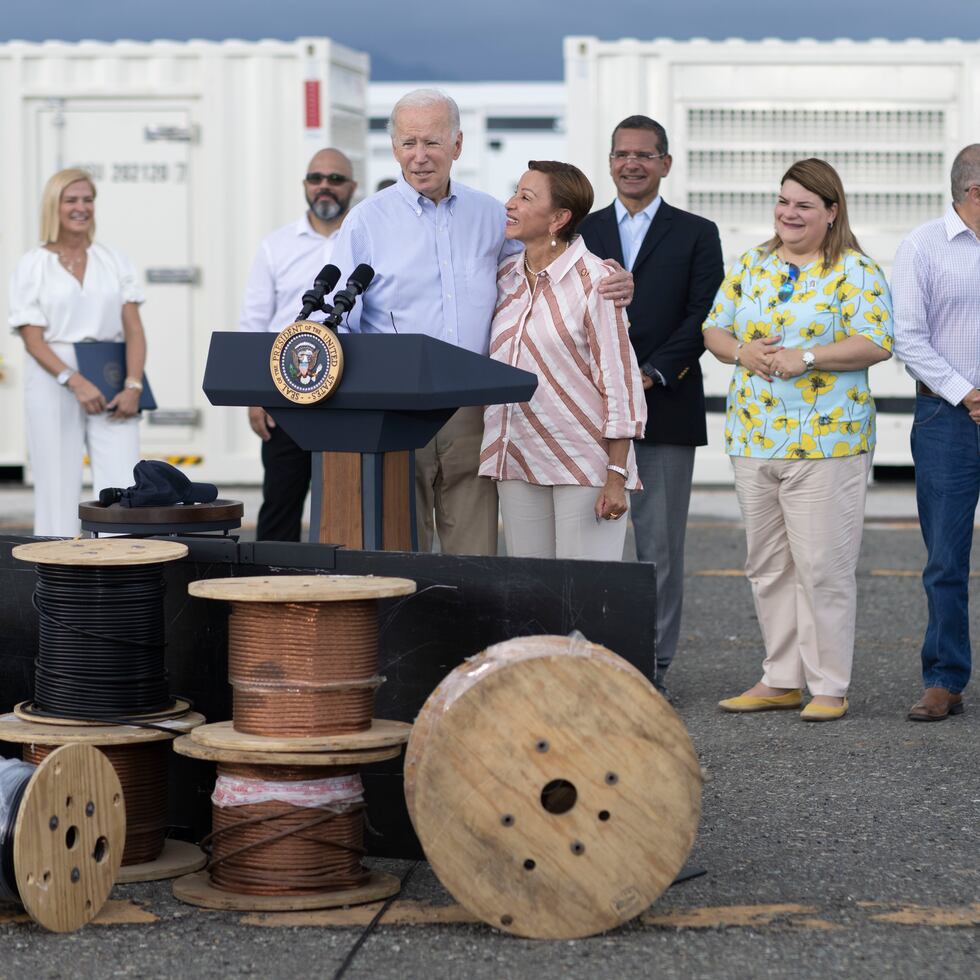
(198, 150)
(890, 116)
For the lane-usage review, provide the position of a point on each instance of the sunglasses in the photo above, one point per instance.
(786, 289)
(335, 179)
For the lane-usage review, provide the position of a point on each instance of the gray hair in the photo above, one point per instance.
(424, 98)
(965, 172)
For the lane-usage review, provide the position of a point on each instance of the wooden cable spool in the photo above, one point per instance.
(276, 856)
(68, 838)
(303, 651)
(556, 794)
(139, 757)
(75, 627)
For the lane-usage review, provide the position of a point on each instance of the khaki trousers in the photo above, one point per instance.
(464, 505)
(803, 525)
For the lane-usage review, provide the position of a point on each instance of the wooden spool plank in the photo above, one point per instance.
(540, 712)
(68, 837)
(100, 552)
(178, 858)
(196, 889)
(215, 510)
(185, 745)
(221, 735)
(174, 715)
(15, 727)
(301, 588)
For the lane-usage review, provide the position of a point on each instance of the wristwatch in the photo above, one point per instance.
(809, 359)
(621, 470)
(65, 375)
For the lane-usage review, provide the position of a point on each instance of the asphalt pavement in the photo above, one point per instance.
(848, 849)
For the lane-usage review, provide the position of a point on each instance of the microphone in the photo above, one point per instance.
(324, 283)
(359, 280)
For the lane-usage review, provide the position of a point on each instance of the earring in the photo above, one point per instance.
(554, 243)
(830, 225)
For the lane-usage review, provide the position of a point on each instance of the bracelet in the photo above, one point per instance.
(621, 470)
(737, 349)
(134, 384)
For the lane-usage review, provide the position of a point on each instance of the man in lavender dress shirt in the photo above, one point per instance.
(434, 245)
(936, 289)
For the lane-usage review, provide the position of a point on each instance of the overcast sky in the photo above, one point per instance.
(477, 40)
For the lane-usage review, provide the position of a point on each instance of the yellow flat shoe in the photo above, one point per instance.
(823, 712)
(749, 702)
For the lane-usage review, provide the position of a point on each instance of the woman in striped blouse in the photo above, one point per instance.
(564, 460)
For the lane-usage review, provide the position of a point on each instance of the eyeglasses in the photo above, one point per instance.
(786, 289)
(335, 179)
(621, 156)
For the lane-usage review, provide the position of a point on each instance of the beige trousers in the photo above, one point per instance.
(803, 524)
(463, 504)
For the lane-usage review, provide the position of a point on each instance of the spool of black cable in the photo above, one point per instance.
(14, 777)
(101, 631)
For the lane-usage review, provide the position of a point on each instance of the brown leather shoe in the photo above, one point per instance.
(935, 704)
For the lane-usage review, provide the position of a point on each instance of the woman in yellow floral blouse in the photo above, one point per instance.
(802, 317)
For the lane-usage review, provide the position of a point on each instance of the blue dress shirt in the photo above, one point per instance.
(435, 265)
(633, 228)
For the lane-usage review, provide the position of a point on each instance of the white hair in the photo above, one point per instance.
(424, 98)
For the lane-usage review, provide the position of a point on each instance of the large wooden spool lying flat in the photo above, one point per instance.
(556, 794)
(68, 838)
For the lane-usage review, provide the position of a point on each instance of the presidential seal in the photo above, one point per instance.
(306, 362)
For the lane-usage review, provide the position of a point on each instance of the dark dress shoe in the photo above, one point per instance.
(935, 704)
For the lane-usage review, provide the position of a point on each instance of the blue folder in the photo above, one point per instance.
(104, 364)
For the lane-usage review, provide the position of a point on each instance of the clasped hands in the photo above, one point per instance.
(766, 357)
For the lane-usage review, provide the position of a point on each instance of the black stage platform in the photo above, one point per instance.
(462, 606)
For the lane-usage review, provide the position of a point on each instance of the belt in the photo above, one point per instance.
(924, 389)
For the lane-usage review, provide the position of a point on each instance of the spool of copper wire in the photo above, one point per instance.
(303, 668)
(142, 772)
(280, 848)
(303, 651)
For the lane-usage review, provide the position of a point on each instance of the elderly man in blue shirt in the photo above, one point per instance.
(435, 245)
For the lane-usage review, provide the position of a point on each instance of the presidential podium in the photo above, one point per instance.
(395, 394)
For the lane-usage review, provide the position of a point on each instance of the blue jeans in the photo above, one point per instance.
(946, 452)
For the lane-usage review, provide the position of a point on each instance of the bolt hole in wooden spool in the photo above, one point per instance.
(140, 758)
(303, 650)
(64, 858)
(556, 794)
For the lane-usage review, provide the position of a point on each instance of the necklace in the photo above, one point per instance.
(72, 263)
(528, 269)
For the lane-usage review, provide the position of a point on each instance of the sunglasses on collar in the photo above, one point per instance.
(789, 283)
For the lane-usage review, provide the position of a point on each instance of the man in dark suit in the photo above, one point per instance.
(675, 258)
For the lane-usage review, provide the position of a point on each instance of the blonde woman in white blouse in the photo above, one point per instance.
(71, 289)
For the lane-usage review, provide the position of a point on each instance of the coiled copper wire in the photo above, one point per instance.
(303, 669)
(142, 771)
(280, 849)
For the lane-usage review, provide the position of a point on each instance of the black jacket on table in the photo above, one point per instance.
(677, 272)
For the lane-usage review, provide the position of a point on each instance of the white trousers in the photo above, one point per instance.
(803, 524)
(558, 522)
(58, 433)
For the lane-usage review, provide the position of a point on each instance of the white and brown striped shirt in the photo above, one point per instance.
(589, 387)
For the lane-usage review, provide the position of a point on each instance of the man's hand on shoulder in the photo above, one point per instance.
(971, 402)
(618, 285)
(261, 423)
